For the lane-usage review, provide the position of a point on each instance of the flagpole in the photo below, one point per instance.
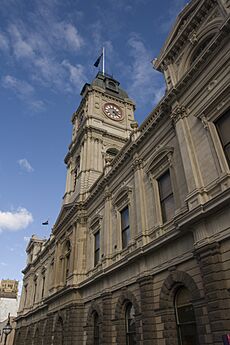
(103, 60)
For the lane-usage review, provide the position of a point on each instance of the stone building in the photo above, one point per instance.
(140, 252)
(9, 302)
(8, 298)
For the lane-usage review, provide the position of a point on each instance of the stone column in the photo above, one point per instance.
(217, 296)
(147, 310)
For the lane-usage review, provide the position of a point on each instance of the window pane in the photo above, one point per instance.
(124, 218)
(97, 256)
(165, 187)
(186, 323)
(185, 314)
(96, 329)
(97, 240)
(125, 237)
(130, 325)
(223, 126)
(167, 208)
(227, 152)
(188, 334)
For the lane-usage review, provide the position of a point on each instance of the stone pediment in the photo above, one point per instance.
(63, 213)
(188, 21)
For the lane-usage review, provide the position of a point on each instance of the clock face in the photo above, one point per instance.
(113, 111)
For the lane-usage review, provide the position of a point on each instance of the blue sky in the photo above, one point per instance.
(47, 52)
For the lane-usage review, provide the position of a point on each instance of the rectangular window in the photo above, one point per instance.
(223, 128)
(43, 285)
(166, 197)
(96, 248)
(125, 228)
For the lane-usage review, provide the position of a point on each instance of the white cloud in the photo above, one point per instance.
(26, 238)
(146, 83)
(23, 90)
(21, 48)
(76, 73)
(170, 14)
(69, 35)
(3, 263)
(4, 43)
(15, 220)
(25, 165)
(39, 54)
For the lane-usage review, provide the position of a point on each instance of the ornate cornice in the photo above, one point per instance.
(186, 28)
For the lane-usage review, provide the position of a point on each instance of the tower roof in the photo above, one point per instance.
(107, 83)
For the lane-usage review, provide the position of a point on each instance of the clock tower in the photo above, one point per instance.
(101, 127)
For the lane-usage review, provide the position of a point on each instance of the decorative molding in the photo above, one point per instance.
(160, 161)
(137, 164)
(193, 38)
(179, 113)
(204, 121)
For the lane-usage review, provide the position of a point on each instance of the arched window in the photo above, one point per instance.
(130, 326)
(110, 154)
(96, 329)
(185, 318)
(112, 151)
(201, 47)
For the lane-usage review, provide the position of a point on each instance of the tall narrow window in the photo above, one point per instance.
(67, 260)
(35, 290)
(43, 284)
(96, 248)
(125, 228)
(166, 197)
(25, 298)
(223, 128)
(185, 318)
(95, 329)
(130, 325)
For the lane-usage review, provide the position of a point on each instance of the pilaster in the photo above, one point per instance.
(107, 319)
(139, 191)
(217, 296)
(193, 176)
(147, 307)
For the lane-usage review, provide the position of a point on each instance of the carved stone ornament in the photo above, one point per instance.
(179, 113)
(137, 164)
(107, 194)
(193, 38)
(204, 121)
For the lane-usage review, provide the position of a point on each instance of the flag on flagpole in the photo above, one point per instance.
(98, 60)
(46, 223)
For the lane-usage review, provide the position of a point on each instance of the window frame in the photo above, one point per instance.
(97, 248)
(160, 163)
(126, 229)
(217, 125)
(164, 199)
(95, 227)
(180, 325)
(122, 199)
(129, 334)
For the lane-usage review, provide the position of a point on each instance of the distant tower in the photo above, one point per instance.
(101, 127)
